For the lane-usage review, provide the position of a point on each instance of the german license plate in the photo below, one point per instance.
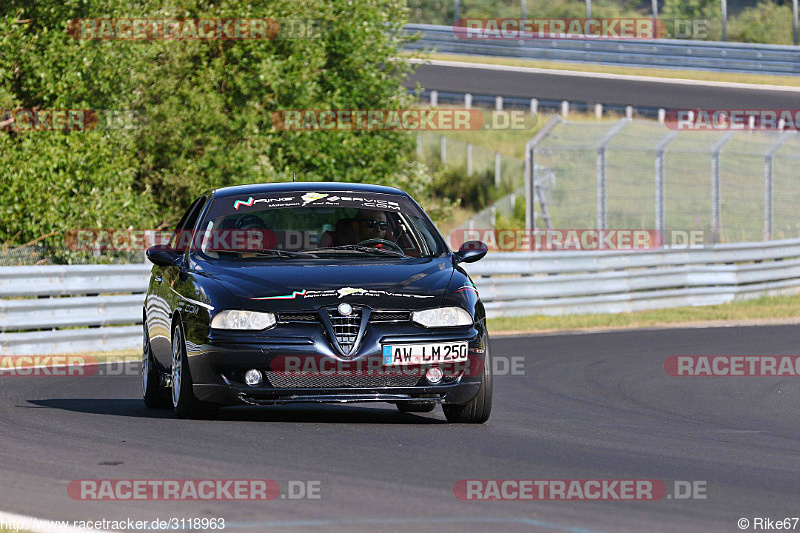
(424, 354)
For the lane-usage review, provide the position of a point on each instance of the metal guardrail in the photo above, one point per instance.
(670, 53)
(569, 282)
(62, 309)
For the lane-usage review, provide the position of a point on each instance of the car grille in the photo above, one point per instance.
(281, 380)
(390, 316)
(345, 328)
(297, 317)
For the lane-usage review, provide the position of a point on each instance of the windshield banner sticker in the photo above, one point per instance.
(321, 200)
(340, 293)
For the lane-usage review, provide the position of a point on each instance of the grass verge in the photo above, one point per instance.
(764, 309)
(700, 75)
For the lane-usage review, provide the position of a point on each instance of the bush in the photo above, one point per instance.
(471, 192)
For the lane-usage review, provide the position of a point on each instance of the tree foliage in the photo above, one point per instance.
(203, 108)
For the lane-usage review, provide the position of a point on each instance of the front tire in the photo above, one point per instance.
(477, 410)
(184, 402)
(155, 396)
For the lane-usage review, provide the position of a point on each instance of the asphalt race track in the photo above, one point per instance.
(589, 406)
(575, 88)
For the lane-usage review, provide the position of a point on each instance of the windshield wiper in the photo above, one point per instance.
(357, 248)
(274, 253)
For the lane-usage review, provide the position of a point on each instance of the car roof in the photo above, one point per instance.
(291, 186)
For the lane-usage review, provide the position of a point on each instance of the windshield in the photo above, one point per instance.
(317, 224)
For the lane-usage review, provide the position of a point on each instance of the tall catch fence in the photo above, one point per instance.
(637, 174)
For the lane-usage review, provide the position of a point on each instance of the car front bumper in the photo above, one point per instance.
(219, 360)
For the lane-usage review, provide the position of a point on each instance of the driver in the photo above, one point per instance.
(369, 224)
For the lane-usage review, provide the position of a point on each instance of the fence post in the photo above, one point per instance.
(724, 10)
(601, 173)
(497, 175)
(660, 223)
(768, 191)
(716, 223)
(444, 150)
(469, 159)
(530, 170)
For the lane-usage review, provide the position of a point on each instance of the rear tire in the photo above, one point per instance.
(155, 396)
(416, 407)
(477, 410)
(184, 402)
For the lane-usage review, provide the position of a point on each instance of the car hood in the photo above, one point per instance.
(304, 285)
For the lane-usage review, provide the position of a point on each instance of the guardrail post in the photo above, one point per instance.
(530, 170)
(588, 9)
(716, 223)
(794, 20)
(601, 173)
(468, 101)
(498, 103)
(524, 9)
(662, 115)
(629, 112)
(564, 109)
(444, 150)
(469, 159)
(455, 11)
(768, 191)
(598, 111)
(724, 10)
(434, 98)
(660, 223)
(497, 175)
(534, 106)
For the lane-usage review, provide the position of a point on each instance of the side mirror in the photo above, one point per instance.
(470, 252)
(163, 255)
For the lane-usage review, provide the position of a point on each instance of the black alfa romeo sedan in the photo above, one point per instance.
(314, 292)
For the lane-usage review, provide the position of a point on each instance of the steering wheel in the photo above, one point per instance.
(370, 242)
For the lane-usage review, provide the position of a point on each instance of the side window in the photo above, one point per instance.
(187, 222)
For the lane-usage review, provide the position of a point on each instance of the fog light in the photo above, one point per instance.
(433, 375)
(253, 377)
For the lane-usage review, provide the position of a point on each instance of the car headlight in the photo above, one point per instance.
(250, 320)
(442, 317)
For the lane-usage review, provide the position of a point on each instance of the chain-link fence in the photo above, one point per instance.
(733, 186)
